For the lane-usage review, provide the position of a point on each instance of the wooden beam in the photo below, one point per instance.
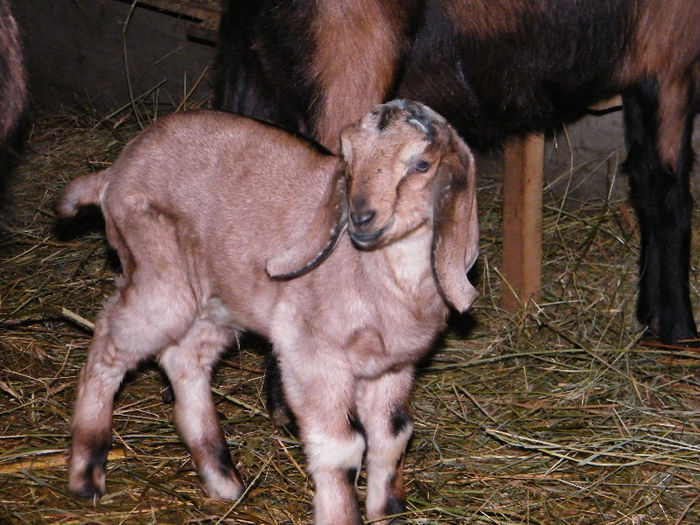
(610, 104)
(206, 11)
(205, 15)
(522, 221)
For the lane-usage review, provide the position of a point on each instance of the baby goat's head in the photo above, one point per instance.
(404, 166)
(393, 156)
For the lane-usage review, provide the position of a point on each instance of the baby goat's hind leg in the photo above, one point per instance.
(92, 415)
(124, 336)
(153, 307)
(383, 407)
(188, 366)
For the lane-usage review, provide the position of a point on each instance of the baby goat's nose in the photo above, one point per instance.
(362, 217)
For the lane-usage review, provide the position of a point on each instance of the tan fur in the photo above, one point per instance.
(201, 206)
(352, 36)
(656, 36)
(673, 107)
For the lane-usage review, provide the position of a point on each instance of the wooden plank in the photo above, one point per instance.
(611, 104)
(522, 221)
(207, 11)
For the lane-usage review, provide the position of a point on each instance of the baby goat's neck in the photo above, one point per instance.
(404, 272)
(408, 261)
(409, 309)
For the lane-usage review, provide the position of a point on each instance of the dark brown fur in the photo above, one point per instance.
(12, 76)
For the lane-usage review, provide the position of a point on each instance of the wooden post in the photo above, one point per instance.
(522, 221)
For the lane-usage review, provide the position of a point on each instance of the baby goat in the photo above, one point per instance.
(224, 224)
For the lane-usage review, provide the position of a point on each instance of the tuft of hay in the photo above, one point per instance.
(559, 413)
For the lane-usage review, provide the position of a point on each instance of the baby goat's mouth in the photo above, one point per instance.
(368, 240)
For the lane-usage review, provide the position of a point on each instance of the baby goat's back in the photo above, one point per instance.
(202, 164)
(216, 174)
(231, 189)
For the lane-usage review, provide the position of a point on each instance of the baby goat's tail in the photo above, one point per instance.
(83, 191)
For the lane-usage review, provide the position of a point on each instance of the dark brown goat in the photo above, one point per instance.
(494, 68)
(12, 80)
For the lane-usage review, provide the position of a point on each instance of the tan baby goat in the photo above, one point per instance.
(224, 224)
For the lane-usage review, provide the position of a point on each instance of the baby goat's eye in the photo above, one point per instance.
(422, 166)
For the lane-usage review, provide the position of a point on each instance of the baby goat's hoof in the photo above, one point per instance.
(395, 505)
(87, 491)
(89, 483)
(223, 482)
(86, 471)
(226, 489)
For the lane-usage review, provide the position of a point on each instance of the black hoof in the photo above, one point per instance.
(86, 489)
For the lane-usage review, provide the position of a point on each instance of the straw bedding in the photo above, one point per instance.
(559, 413)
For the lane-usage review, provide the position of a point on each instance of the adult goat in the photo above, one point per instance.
(494, 69)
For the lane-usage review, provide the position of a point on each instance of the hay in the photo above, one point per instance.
(555, 414)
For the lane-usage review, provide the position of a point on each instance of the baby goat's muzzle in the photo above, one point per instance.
(368, 240)
(362, 228)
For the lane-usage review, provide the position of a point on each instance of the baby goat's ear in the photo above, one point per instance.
(455, 224)
(320, 236)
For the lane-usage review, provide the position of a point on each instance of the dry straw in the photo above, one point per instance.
(555, 414)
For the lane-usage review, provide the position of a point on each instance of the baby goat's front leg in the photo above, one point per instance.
(383, 407)
(320, 392)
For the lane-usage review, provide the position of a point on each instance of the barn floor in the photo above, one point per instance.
(555, 415)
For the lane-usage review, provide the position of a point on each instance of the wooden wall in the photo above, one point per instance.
(75, 53)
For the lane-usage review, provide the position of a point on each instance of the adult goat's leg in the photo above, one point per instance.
(658, 124)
